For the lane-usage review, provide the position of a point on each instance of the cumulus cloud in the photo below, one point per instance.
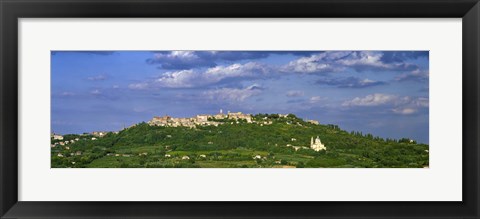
(371, 100)
(350, 82)
(419, 101)
(399, 104)
(416, 75)
(233, 94)
(370, 60)
(190, 73)
(405, 111)
(211, 76)
(295, 93)
(310, 62)
(315, 63)
(335, 61)
(182, 60)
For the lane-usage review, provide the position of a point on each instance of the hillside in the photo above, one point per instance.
(267, 142)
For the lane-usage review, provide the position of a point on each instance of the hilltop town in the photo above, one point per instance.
(234, 140)
(201, 120)
(232, 118)
(215, 120)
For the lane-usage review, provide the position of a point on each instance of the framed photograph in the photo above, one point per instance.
(255, 109)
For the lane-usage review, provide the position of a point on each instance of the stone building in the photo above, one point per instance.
(57, 137)
(317, 144)
(240, 115)
(160, 121)
(202, 118)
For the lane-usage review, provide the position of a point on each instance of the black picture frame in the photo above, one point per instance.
(12, 10)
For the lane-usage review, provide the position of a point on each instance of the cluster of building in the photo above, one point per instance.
(63, 143)
(99, 134)
(203, 119)
(66, 142)
(215, 120)
(176, 122)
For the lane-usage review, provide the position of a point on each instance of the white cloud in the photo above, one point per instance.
(177, 79)
(233, 94)
(179, 60)
(367, 58)
(197, 78)
(316, 99)
(334, 61)
(251, 69)
(349, 82)
(416, 75)
(182, 60)
(184, 55)
(371, 100)
(405, 111)
(316, 63)
(400, 105)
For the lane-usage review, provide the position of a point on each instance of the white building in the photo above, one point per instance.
(317, 144)
(99, 134)
(57, 137)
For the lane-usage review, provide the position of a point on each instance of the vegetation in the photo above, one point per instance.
(257, 145)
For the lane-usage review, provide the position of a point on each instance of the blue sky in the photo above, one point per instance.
(380, 92)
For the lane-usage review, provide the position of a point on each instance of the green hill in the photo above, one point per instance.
(236, 144)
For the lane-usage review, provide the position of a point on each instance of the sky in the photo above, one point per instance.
(384, 93)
